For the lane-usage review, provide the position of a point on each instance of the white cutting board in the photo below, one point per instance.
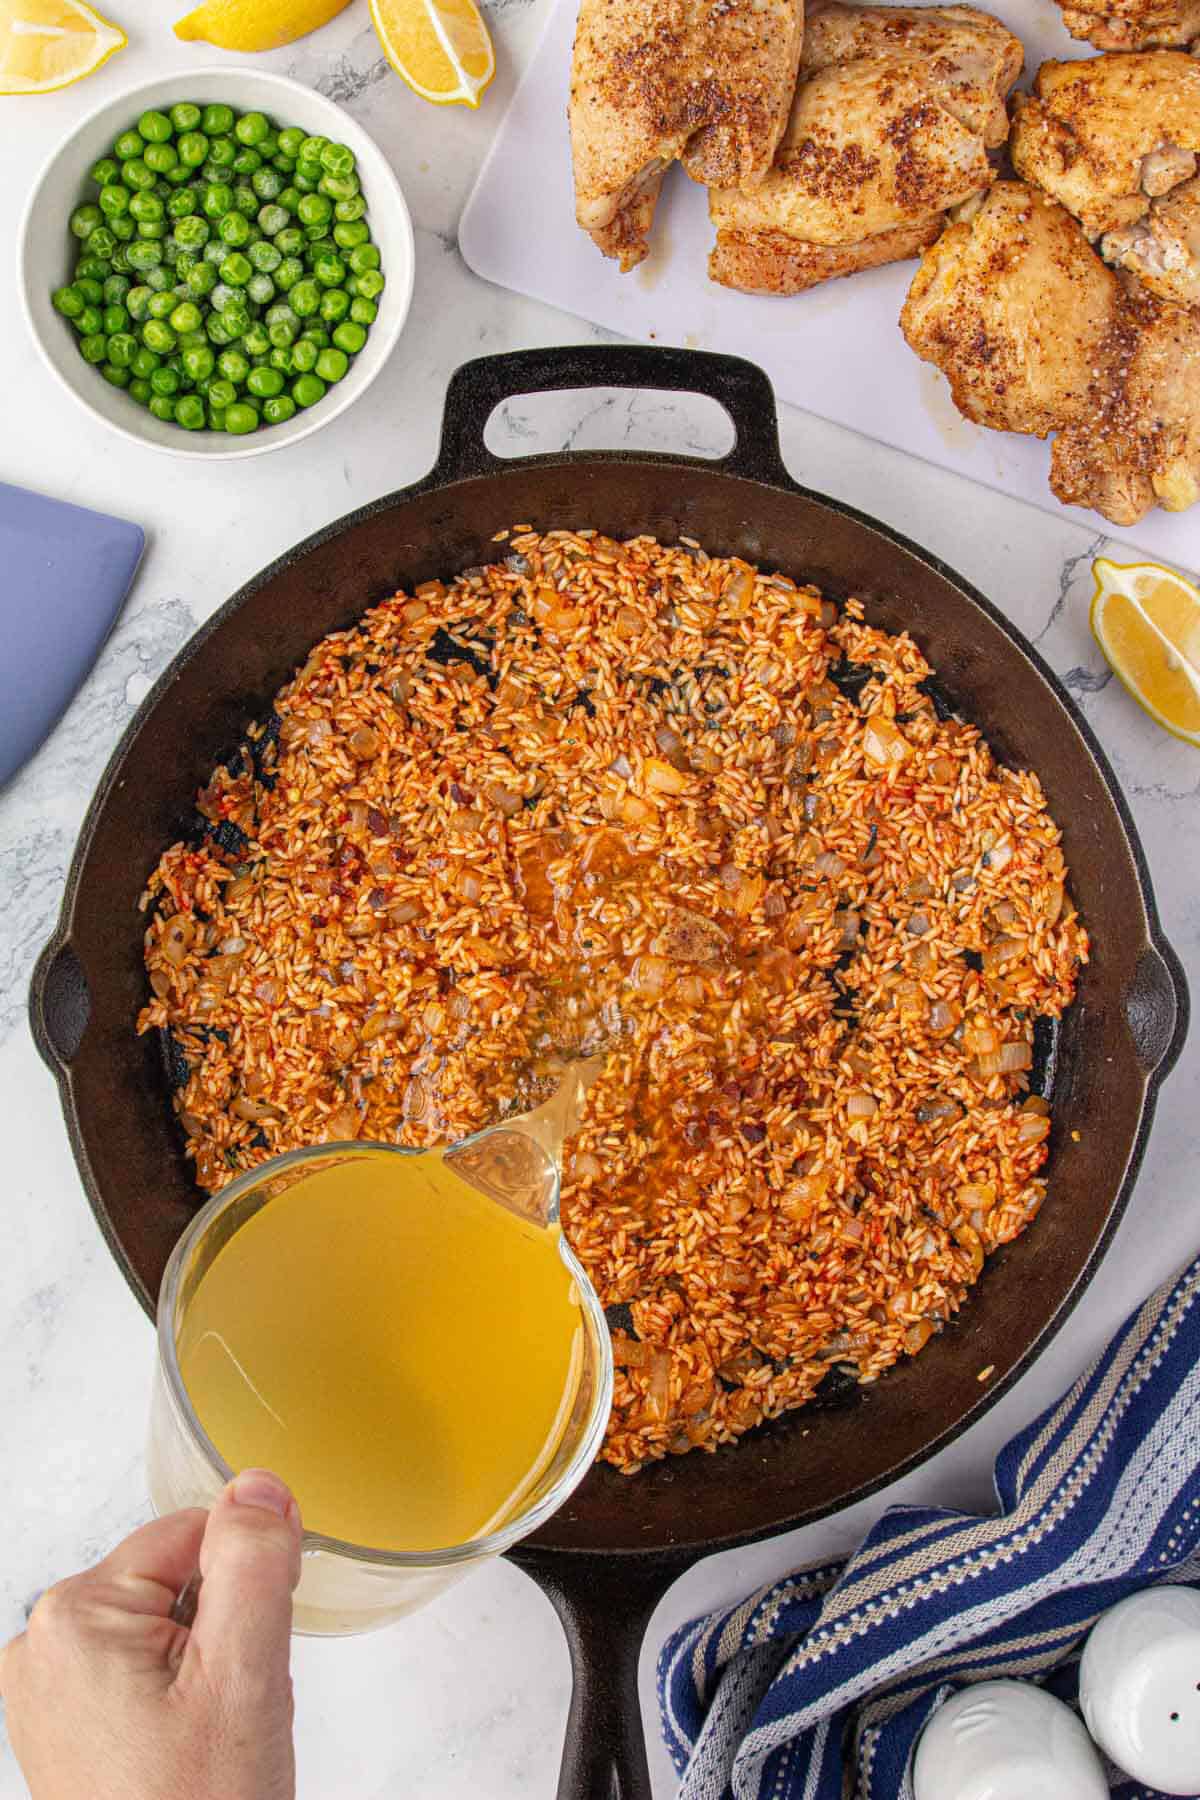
(835, 351)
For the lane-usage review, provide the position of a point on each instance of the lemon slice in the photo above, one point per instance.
(256, 24)
(440, 47)
(48, 44)
(1146, 619)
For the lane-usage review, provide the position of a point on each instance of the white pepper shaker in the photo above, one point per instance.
(1006, 1740)
(1139, 1687)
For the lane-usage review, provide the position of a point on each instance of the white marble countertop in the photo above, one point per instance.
(470, 1697)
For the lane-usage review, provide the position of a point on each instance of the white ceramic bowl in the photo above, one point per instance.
(46, 252)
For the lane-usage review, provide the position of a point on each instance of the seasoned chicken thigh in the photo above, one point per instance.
(1035, 334)
(1115, 139)
(707, 82)
(1134, 24)
(894, 114)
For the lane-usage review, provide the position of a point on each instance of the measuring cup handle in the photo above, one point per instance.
(604, 1604)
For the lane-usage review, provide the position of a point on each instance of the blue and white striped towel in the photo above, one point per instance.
(817, 1688)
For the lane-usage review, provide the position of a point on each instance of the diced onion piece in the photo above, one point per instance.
(944, 1017)
(1000, 953)
(364, 744)
(861, 1105)
(884, 743)
(255, 1112)
(1014, 1056)
(1032, 1128)
(827, 863)
(850, 923)
(634, 810)
(939, 1107)
(705, 761)
(739, 591)
(1001, 854)
(662, 778)
(980, 1039)
(944, 771)
(469, 886)
(466, 819)
(689, 990)
(979, 1196)
(917, 1336)
(920, 888)
(1052, 898)
(629, 1352)
(649, 976)
(658, 1391)
(404, 912)
(969, 1239)
(179, 934)
(628, 622)
(344, 1123)
(1037, 1103)
(413, 611)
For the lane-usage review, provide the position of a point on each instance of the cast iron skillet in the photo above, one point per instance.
(616, 1547)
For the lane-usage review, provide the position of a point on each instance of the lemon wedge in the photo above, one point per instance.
(256, 24)
(441, 48)
(48, 44)
(1146, 619)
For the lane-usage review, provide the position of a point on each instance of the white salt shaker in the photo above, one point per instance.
(1139, 1687)
(1006, 1740)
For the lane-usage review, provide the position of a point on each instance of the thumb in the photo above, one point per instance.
(250, 1563)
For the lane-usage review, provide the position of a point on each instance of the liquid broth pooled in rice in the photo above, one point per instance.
(631, 798)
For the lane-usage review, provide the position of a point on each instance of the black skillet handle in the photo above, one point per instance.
(604, 1604)
(479, 387)
(60, 1004)
(1157, 1008)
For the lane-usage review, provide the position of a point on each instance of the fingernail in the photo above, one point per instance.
(258, 1487)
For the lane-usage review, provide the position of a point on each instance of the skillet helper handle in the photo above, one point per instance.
(1157, 1007)
(60, 1004)
(740, 387)
(604, 1605)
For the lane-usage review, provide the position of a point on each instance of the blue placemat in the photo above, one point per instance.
(64, 575)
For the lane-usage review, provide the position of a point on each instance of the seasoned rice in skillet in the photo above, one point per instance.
(630, 797)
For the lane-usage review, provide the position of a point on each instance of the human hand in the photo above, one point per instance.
(106, 1696)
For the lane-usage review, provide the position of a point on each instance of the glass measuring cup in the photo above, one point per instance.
(346, 1587)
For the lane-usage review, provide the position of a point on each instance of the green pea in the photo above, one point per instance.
(105, 171)
(252, 128)
(116, 374)
(193, 149)
(305, 298)
(140, 390)
(115, 290)
(155, 127)
(235, 316)
(217, 120)
(189, 412)
(246, 200)
(137, 303)
(216, 250)
(235, 230)
(161, 157)
(339, 187)
(289, 272)
(281, 358)
(269, 145)
(261, 289)
(370, 282)
(138, 174)
(222, 152)
(217, 331)
(68, 301)
(314, 209)
(155, 276)
(92, 267)
(335, 304)
(114, 199)
(146, 207)
(283, 332)
(302, 181)
(291, 140)
(265, 257)
(337, 159)
(162, 305)
(144, 363)
(215, 417)
(144, 255)
(115, 319)
(316, 334)
(162, 406)
(85, 220)
(279, 410)
(201, 280)
(90, 322)
(268, 184)
(329, 270)
(256, 342)
(186, 317)
(364, 257)
(236, 270)
(234, 366)
(349, 234)
(185, 116)
(165, 380)
(221, 393)
(178, 176)
(152, 231)
(218, 200)
(181, 205)
(123, 229)
(101, 242)
(241, 418)
(350, 336)
(307, 390)
(332, 365)
(289, 199)
(311, 148)
(247, 162)
(290, 240)
(264, 384)
(304, 356)
(122, 348)
(158, 336)
(193, 232)
(272, 220)
(198, 362)
(94, 347)
(128, 145)
(349, 211)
